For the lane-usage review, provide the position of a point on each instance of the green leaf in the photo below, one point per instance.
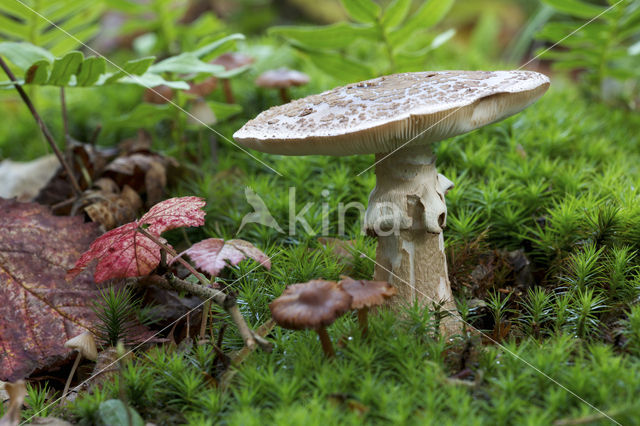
(334, 36)
(127, 6)
(24, 54)
(133, 67)
(9, 28)
(339, 66)
(55, 25)
(576, 8)
(37, 73)
(365, 11)
(426, 16)
(144, 115)
(395, 13)
(64, 68)
(232, 73)
(114, 412)
(151, 80)
(219, 45)
(223, 111)
(90, 71)
(185, 63)
(138, 66)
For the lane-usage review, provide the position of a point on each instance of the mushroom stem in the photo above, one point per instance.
(407, 212)
(206, 308)
(363, 320)
(71, 373)
(327, 346)
(284, 95)
(226, 88)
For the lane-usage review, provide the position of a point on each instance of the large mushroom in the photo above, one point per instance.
(398, 118)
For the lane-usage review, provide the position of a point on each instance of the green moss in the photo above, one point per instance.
(559, 181)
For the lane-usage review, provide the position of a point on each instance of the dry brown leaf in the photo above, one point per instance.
(17, 393)
(49, 421)
(112, 210)
(24, 180)
(155, 180)
(39, 309)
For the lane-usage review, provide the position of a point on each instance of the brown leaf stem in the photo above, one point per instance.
(43, 127)
(226, 301)
(65, 120)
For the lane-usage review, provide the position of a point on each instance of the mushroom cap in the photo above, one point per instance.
(310, 305)
(84, 344)
(232, 60)
(282, 78)
(366, 294)
(383, 114)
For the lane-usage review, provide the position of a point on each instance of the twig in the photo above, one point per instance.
(43, 127)
(226, 301)
(174, 255)
(65, 121)
(206, 308)
(94, 136)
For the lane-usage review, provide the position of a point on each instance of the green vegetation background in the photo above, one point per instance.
(560, 181)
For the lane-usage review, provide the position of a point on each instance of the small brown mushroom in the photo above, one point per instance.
(313, 305)
(158, 95)
(204, 88)
(230, 61)
(282, 79)
(365, 295)
(86, 347)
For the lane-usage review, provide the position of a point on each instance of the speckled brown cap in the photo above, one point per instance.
(382, 114)
(310, 305)
(281, 78)
(367, 294)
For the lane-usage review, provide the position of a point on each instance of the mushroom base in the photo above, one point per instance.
(407, 212)
(415, 263)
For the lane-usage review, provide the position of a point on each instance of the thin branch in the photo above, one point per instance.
(174, 255)
(43, 127)
(94, 136)
(224, 300)
(65, 120)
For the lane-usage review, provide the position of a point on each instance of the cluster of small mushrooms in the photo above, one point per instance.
(398, 118)
(317, 304)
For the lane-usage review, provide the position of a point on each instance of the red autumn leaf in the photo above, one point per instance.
(214, 254)
(124, 252)
(39, 309)
(174, 213)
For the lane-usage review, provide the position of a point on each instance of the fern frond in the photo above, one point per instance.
(57, 26)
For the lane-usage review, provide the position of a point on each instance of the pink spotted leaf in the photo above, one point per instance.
(174, 213)
(214, 254)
